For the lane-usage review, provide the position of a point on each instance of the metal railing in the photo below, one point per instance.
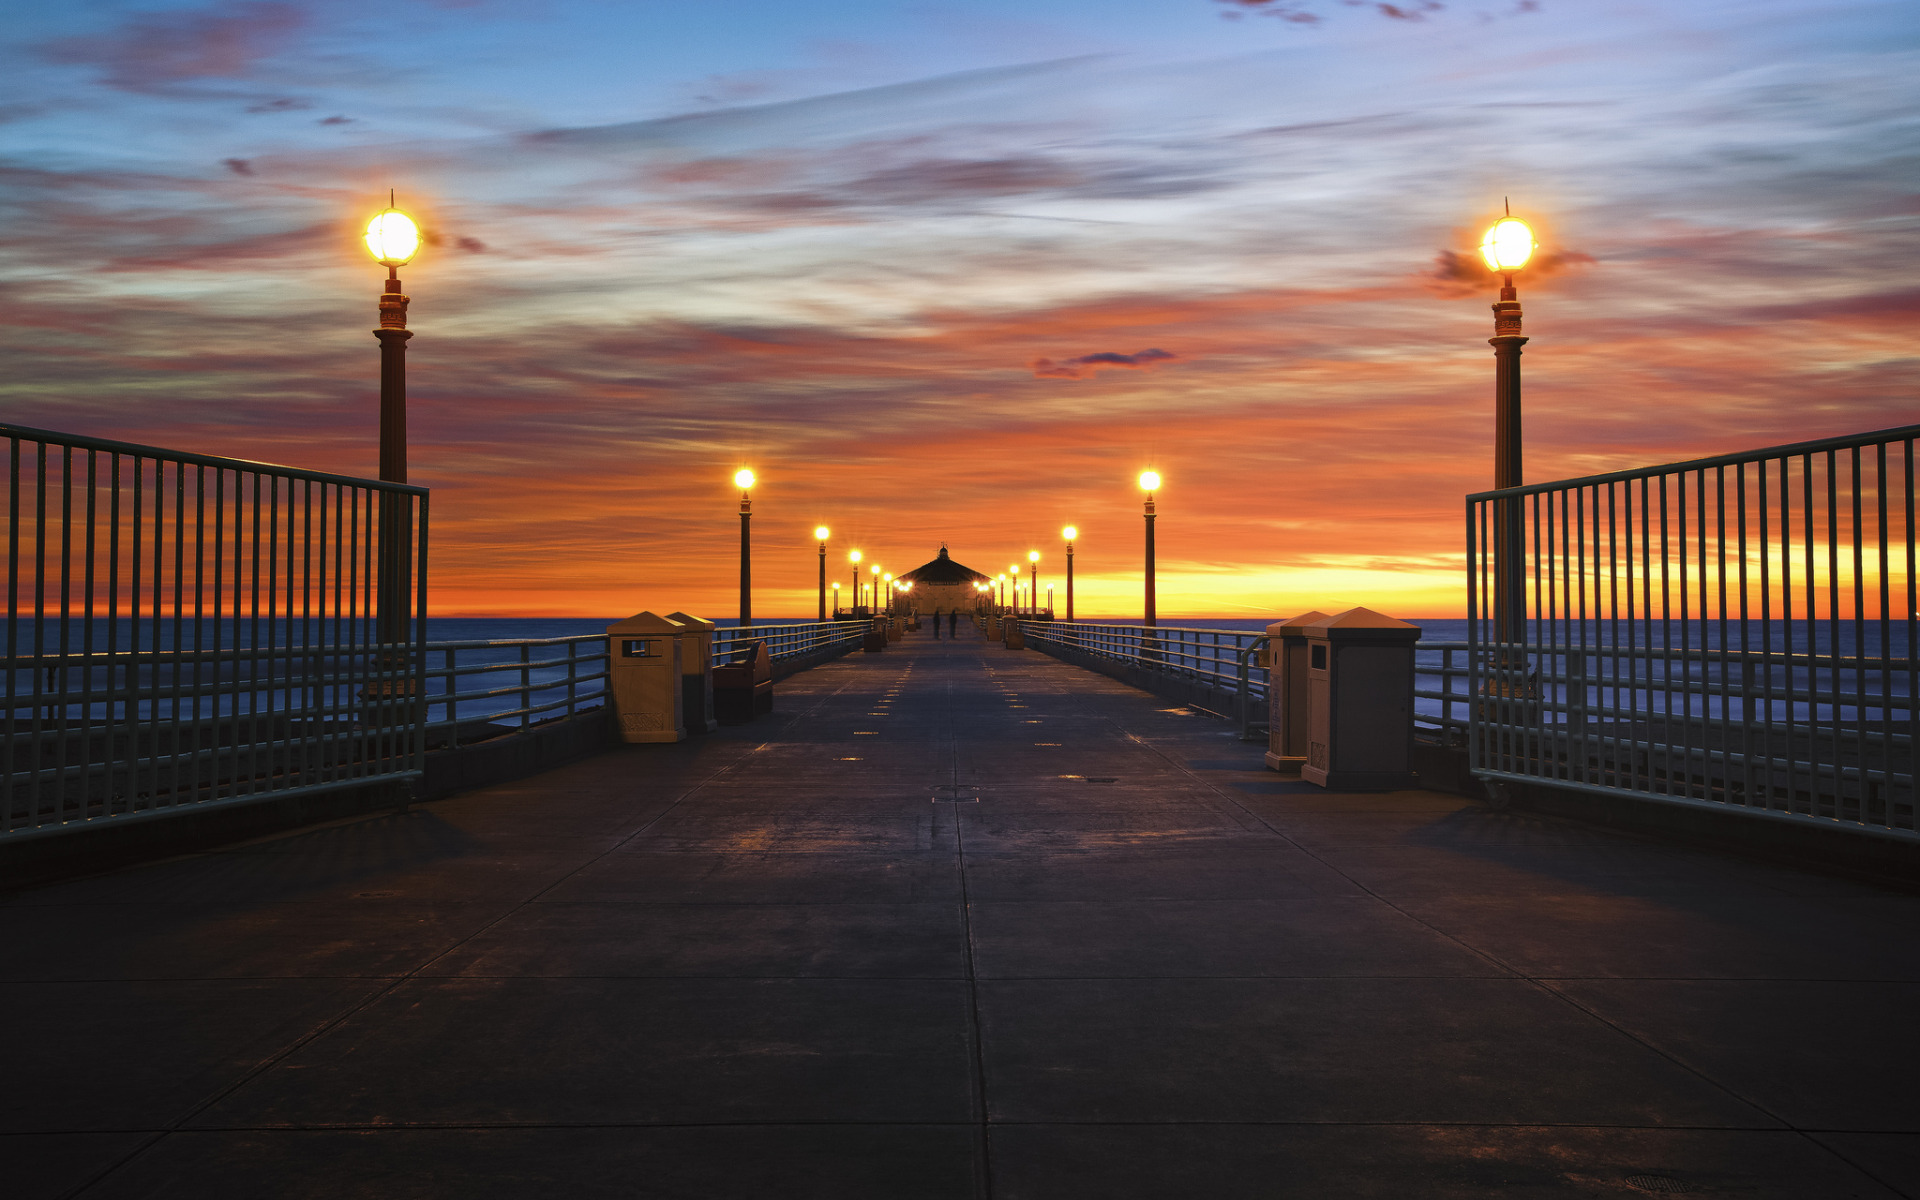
(788, 641)
(1224, 664)
(1734, 632)
(482, 689)
(184, 631)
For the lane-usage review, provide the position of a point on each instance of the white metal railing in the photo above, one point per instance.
(788, 641)
(487, 686)
(1224, 660)
(481, 689)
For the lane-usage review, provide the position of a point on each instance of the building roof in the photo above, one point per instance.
(942, 570)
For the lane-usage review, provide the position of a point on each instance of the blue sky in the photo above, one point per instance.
(898, 257)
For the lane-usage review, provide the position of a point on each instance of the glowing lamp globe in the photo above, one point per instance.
(392, 238)
(820, 533)
(1033, 556)
(1508, 245)
(1149, 481)
(875, 568)
(854, 557)
(1069, 533)
(743, 479)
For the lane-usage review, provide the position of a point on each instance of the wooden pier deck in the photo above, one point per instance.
(957, 921)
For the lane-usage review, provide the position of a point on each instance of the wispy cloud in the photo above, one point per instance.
(154, 51)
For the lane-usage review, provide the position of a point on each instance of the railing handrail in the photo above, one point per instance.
(1899, 433)
(136, 449)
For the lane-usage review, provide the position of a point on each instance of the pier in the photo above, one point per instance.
(957, 921)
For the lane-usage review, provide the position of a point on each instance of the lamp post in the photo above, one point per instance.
(873, 587)
(1150, 483)
(743, 479)
(854, 558)
(1069, 533)
(1506, 248)
(820, 534)
(836, 599)
(886, 578)
(393, 239)
(1001, 603)
(1033, 580)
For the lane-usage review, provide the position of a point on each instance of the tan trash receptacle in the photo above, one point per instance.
(876, 638)
(1016, 636)
(696, 674)
(1287, 692)
(1360, 702)
(643, 673)
(893, 629)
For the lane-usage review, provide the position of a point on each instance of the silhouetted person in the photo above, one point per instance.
(936, 624)
(953, 621)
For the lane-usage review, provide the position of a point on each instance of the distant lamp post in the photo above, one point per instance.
(743, 479)
(1033, 579)
(1506, 248)
(1013, 569)
(886, 578)
(393, 239)
(1150, 483)
(836, 599)
(1001, 603)
(854, 558)
(1069, 533)
(820, 535)
(873, 587)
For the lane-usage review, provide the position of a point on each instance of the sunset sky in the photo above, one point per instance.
(957, 272)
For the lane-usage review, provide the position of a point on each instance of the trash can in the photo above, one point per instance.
(696, 674)
(643, 673)
(1287, 692)
(876, 639)
(893, 628)
(743, 688)
(1016, 638)
(1360, 702)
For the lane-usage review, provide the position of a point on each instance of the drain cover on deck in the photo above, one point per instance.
(1659, 1183)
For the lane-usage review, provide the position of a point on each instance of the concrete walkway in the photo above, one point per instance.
(957, 922)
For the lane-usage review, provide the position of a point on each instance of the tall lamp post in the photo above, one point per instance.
(1013, 569)
(873, 587)
(820, 535)
(743, 479)
(393, 239)
(1150, 483)
(1033, 580)
(886, 580)
(853, 557)
(1002, 602)
(1506, 248)
(1069, 533)
(836, 599)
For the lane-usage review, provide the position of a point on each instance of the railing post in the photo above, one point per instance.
(526, 685)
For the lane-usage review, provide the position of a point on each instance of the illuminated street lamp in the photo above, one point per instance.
(836, 599)
(1013, 569)
(1033, 580)
(1069, 533)
(1506, 248)
(393, 239)
(854, 558)
(820, 534)
(743, 479)
(1150, 483)
(1002, 602)
(873, 586)
(886, 577)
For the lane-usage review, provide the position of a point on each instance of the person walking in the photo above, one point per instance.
(936, 624)
(953, 619)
